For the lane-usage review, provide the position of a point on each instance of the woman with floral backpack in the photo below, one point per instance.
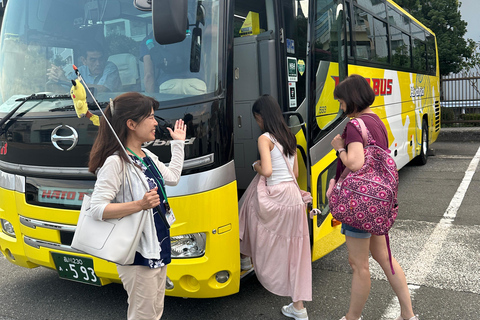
(356, 96)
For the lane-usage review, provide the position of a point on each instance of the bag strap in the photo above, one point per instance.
(125, 174)
(363, 131)
(379, 123)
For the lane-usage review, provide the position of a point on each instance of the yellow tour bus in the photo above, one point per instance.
(205, 61)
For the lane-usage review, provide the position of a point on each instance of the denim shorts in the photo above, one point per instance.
(354, 232)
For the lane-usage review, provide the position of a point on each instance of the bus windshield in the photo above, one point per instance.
(112, 44)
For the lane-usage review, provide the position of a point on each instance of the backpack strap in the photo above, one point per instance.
(363, 131)
(375, 119)
(387, 238)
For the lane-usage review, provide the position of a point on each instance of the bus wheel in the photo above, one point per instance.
(421, 159)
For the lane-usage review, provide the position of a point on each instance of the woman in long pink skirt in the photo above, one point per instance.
(273, 219)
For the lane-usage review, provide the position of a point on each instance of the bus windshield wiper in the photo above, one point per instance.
(31, 97)
(70, 107)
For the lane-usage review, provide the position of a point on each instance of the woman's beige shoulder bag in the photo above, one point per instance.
(115, 240)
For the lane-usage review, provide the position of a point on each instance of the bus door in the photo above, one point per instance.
(326, 66)
(255, 73)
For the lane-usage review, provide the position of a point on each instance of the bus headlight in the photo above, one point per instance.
(188, 245)
(7, 228)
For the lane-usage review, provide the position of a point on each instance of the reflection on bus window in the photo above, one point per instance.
(431, 54)
(381, 41)
(322, 187)
(377, 7)
(419, 55)
(400, 48)
(45, 39)
(364, 35)
(329, 36)
(371, 37)
(398, 19)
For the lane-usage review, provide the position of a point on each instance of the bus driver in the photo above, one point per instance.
(97, 72)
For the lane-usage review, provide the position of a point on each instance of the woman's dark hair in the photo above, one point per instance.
(356, 92)
(273, 122)
(130, 105)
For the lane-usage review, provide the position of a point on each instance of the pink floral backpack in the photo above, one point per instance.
(367, 198)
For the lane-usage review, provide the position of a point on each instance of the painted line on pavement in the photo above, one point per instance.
(420, 269)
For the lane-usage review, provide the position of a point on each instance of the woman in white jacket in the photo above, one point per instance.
(132, 117)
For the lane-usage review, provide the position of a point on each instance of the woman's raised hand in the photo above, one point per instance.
(151, 199)
(180, 130)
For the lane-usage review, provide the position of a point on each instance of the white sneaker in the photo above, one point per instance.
(246, 263)
(345, 318)
(291, 312)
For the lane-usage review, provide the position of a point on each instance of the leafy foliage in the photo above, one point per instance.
(444, 19)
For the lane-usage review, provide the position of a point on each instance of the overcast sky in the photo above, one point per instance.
(470, 10)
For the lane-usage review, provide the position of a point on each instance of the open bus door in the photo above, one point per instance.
(256, 72)
(326, 66)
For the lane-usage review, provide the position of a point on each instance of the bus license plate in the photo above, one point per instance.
(75, 268)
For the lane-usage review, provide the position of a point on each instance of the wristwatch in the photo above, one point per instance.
(340, 150)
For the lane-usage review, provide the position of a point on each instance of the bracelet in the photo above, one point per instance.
(253, 166)
(339, 151)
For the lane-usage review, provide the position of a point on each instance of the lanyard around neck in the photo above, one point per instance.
(153, 174)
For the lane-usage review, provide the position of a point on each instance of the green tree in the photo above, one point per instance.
(472, 71)
(444, 19)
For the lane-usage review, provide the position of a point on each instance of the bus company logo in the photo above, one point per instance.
(381, 87)
(3, 148)
(63, 194)
(160, 142)
(416, 92)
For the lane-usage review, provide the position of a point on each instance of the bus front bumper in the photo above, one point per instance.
(214, 274)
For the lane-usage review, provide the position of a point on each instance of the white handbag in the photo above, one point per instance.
(115, 240)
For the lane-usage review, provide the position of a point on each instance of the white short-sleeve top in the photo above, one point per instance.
(280, 171)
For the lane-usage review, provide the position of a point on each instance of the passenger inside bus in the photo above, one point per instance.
(97, 72)
(165, 70)
(175, 68)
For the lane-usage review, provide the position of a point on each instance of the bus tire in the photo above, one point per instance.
(421, 159)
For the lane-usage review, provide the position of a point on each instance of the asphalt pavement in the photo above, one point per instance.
(459, 134)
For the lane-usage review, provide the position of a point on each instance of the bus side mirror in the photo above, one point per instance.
(196, 50)
(169, 19)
